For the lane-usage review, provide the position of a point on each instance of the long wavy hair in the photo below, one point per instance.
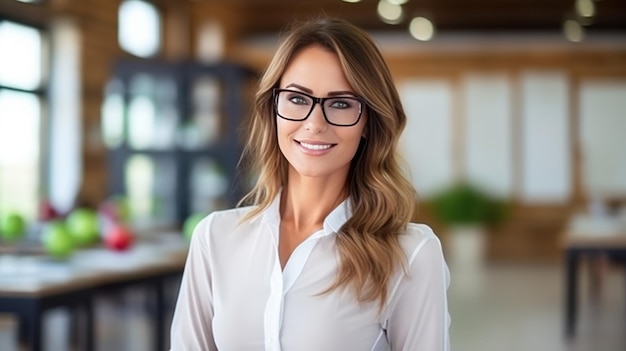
(381, 197)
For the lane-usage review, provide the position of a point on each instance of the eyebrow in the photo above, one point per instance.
(332, 93)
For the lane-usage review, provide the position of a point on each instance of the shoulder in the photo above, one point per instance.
(228, 217)
(420, 231)
(420, 240)
(222, 221)
(426, 266)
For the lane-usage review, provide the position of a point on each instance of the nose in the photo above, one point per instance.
(316, 122)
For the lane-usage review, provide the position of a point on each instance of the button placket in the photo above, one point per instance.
(273, 310)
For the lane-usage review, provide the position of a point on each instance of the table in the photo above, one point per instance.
(577, 246)
(30, 285)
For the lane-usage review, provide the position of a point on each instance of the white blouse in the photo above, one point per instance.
(234, 296)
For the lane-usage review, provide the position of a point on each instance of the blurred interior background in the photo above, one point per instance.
(515, 143)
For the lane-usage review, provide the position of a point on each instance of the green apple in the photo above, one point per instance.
(190, 224)
(57, 240)
(82, 224)
(13, 227)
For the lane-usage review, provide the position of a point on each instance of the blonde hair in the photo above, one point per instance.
(382, 199)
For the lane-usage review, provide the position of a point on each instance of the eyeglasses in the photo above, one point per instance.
(293, 105)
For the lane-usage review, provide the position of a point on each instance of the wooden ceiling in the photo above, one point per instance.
(448, 15)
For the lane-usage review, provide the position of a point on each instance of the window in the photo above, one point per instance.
(22, 101)
(139, 31)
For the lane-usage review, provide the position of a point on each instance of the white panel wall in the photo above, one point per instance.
(426, 144)
(486, 107)
(490, 149)
(546, 161)
(603, 137)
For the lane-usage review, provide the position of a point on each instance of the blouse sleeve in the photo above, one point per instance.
(192, 322)
(418, 318)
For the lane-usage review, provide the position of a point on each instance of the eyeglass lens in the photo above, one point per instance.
(298, 106)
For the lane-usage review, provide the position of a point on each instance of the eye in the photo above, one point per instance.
(341, 104)
(298, 99)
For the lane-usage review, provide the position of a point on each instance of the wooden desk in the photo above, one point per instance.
(31, 285)
(577, 246)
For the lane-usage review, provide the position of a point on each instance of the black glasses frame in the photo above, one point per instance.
(317, 100)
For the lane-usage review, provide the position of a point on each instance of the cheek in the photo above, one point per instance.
(360, 132)
(353, 140)
(284, 129)
(359, 137)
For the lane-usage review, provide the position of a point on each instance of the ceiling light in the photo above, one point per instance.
(352, 1)
(398, 2)
(585, 8)
(573, 31)
(389, 13)
(421, 28)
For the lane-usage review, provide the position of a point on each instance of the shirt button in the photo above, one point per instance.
(271, 342)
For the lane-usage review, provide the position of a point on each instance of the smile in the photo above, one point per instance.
(316, 147)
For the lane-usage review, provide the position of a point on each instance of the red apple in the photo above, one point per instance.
(47, 212)
(118, 238)
(115, 209)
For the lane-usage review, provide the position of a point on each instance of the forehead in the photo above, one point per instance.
(316, 68)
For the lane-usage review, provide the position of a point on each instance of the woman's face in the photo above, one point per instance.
(313, 147)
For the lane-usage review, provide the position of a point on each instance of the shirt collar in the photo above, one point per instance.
(338, 217)
(271, 214)
(332, 223)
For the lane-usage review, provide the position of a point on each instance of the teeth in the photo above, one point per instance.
(315, 146)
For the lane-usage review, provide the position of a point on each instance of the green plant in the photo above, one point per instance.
(466, 204)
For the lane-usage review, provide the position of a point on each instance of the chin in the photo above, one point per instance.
(311, 173)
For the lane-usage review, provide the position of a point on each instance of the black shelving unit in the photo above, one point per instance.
(233, 82)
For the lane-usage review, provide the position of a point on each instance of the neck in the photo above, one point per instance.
(307, 201)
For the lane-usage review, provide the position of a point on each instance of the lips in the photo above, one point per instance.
(315, 146)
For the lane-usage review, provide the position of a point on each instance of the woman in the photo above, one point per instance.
(325, 258)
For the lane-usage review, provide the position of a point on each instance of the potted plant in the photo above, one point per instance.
(467, 211)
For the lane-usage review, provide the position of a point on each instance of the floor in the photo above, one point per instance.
(502, 307)
(520, 307)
